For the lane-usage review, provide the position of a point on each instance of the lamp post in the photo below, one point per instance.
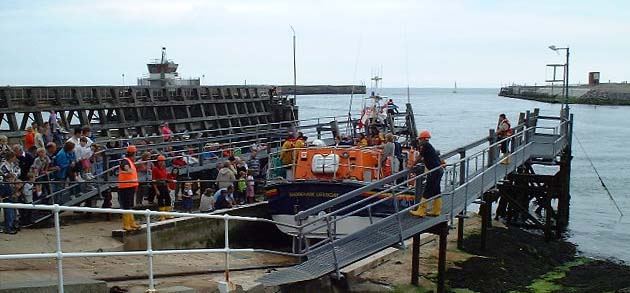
(123, 79)
(294, 68)
(566, 77)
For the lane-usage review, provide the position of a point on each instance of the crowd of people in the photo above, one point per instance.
(54, 166)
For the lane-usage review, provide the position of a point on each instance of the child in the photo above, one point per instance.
(172, 185)
(83, 154)
(187, 196)
(241, 187)
(207, 201)
(250, 187)
(29, 195)
(41, 163)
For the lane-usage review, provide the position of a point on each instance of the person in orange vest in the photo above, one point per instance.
(127, 186)
(504, 129)
(429, 156)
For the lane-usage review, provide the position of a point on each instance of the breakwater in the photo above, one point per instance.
(601, 94)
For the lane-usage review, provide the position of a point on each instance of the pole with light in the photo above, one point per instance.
(294, 68)
(566, 77)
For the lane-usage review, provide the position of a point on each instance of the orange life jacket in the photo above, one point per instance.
(127, 180)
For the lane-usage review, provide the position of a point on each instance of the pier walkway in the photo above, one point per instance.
(465, 180)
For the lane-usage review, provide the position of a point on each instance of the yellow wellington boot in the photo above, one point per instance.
(169, 209)
(132, 222)
(162, 209)
(421, 211)
(505, 160)
(437, 208)
(126, 224)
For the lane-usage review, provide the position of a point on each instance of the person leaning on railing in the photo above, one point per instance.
(431, 161)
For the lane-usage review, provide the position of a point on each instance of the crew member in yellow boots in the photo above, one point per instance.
(127, 186)
(160, 185)
(431, 160)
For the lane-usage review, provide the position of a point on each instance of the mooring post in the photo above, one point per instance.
(442, 257)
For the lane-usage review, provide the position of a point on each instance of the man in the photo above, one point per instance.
(224, 198)
(431, 161)
(254, 164)
(76, 138)
(160, 185)
(25, 160)
(127, 185)
(391, 107)
(504, 130)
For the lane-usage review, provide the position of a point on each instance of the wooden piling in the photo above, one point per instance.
(415, 260)
(442, 257)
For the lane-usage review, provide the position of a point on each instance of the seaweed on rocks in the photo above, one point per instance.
(512, 260)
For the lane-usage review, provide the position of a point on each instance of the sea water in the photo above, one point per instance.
(456, 119)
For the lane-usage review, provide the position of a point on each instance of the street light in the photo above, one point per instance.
(566, 76)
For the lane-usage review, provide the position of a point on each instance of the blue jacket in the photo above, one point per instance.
(63, 160)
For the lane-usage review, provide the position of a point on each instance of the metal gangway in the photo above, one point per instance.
(465, 180)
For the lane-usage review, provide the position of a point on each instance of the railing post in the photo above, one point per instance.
(528, 123)
(227, 250)
(59, 252)
(150, 252)
(492, 139)
(332, 246)
(400, 231)
(462, 180)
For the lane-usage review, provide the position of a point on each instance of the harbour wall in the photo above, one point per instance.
(601, 94)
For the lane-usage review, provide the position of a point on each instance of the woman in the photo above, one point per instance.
(362, 140)
(65, 160)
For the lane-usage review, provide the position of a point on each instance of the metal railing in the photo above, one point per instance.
(59, 253)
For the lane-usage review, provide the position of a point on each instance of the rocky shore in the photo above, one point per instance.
(514, 261)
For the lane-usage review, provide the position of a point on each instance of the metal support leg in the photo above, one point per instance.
(460, 230)
(442, 258)
(415, 260)
(484, 223)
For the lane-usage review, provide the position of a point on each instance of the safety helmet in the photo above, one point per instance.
(161, 158)
(131, 149)
(425, 134)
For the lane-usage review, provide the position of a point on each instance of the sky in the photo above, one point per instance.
(421, 43)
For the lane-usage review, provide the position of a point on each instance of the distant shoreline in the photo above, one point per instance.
(573, 100)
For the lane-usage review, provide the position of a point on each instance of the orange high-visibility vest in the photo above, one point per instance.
(128, 180)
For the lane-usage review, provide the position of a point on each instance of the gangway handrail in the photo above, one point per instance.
(398, 175)
(342, 198)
